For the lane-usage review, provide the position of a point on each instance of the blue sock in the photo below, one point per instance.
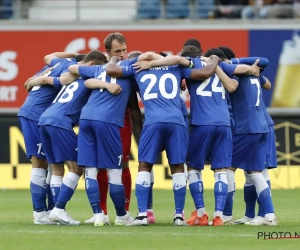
(250, 199)
(220, 190)
(141, 193)
(51, 203)
(265, 200)
(230, 194)
(179, 190)
(67, 189)
(93, 194)
(263, 192)
(142, 187)
(229, 204)
(261, 212)
(55, 183)
(38, 189)
(65, 195)
(117, 195)
(150, 197)
(38, 194)
(196, 190)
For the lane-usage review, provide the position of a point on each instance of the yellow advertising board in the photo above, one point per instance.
(15, 174)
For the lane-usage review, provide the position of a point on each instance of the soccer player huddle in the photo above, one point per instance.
(229, 127)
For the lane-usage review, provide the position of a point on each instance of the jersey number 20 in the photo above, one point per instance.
(161, 85)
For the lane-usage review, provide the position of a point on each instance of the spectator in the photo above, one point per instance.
(281, 9)
(296, 8)
(229, 8)
(268, 9)
(6, 9)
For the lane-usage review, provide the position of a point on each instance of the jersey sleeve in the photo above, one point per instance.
(185, 73)
(128, 71)
(54, 61)
(263, 62)
(132, 61)
(56, 81)
(262, 80)
(42, 70)
(228, 68)
(87, 71)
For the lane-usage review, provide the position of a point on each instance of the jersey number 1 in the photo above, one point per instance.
(102, 77)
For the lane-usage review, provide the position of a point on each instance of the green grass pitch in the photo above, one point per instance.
(17, 230)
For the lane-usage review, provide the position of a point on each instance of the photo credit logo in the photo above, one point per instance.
(277, 235)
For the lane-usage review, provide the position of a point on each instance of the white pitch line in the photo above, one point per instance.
(127, 233)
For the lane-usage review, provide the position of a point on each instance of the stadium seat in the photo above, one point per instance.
(204, 8)
(6, 9)
(177, 9)
(148, 9)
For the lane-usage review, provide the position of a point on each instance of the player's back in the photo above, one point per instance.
(40, 97)
(208, 100)
(159, 89)
(248, 107)
(102, 105)
(65, 110)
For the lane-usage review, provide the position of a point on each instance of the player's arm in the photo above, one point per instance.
(50, 57)
(228, 83)
(149, 56)
(263, 62)
(35, 76)
(136, 114)
(85, 72)
(203, 73)
(265, 83)
(248, 70)
(162, 61)
(113, 70)
(94, 83)
(74, 69)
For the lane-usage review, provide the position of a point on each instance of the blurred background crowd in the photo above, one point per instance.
(151, 9)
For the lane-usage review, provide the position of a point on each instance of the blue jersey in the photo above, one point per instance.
(229, 105)
(159, 89)
(248, 106)
(102, 105)
(183, 108)
(208, 97)
(40, 97)
(66, 107)
(269, 120)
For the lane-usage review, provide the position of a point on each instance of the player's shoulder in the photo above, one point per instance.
(126, 62)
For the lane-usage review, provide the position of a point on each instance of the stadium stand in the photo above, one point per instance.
(204, 8)
(148, 9)
(177, 9)
(6, 10)
(129, 10)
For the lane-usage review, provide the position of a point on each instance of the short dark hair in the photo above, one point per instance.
(227, 51)
(113, 36)
(95, 56)
(163, 54)
(190, 51)
(217, 52)
(193, 42)
(133, 55)
(79, 57)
